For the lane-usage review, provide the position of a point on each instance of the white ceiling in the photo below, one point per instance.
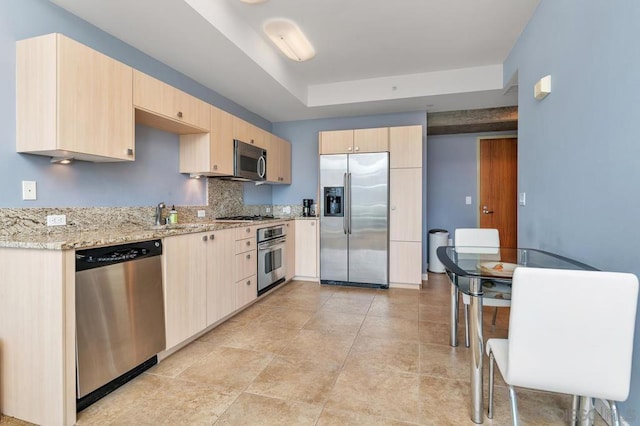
(372, 56)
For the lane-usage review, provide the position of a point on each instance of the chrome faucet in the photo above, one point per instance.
(159, 208)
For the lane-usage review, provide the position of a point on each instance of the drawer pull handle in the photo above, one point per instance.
(248, 243)
(249, 282)
(179, 114)
(248, 256)
(205, 238)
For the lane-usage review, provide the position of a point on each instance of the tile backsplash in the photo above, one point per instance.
(224, 199)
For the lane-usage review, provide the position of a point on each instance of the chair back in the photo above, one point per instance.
(572, 331)
(477, 240)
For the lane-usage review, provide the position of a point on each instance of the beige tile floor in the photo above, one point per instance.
(320, 355)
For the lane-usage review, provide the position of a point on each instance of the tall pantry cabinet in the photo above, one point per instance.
(405, 205)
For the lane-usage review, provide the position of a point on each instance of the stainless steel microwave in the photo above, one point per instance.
(250, 161)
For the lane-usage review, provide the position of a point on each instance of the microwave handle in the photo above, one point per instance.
(262, 166)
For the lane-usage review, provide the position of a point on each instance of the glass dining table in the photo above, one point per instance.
(482, 272)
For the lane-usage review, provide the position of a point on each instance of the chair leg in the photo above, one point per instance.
(492, 362)
(514, 406)
(467, 343)
(495, 316)
(575, 409)
(615, 415)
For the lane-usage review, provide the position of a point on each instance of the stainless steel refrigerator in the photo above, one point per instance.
(354, 219)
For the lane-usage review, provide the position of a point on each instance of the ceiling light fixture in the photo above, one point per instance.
(61, 160)
(290, 39)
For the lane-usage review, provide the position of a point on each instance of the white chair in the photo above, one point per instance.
(476, 239)
(570, 332)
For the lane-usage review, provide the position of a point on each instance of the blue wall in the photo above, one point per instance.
(578, 148)
(452, 175)
(151, 178)
(304, 153)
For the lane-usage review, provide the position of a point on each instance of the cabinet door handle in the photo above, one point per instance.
(357, 148)
(248, 230)
(179, 114)
(249, 282)
(215, 167)
(248, 256)
(349, 149)
(129, 151)
(248, 243)
(212, 236)
(205, 238)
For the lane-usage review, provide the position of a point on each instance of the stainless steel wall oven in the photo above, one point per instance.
(271, 257)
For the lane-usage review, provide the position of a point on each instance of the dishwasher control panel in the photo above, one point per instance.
(103, 256)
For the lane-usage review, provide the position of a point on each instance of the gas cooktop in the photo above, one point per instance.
(245, 218)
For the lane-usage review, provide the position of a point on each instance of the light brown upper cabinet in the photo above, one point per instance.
(278, 160)
(354, 141)
(211, 153)
(167, 108)
(72, 101)
(405, 145)
(248, 133)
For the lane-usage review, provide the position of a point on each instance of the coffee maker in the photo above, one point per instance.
(306, 207)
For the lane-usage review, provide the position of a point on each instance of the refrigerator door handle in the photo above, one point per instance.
(345, 195)
(349, 202)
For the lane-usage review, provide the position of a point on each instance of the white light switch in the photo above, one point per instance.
(522, 199)
(201, 213)
(467, 199)
(29, 190)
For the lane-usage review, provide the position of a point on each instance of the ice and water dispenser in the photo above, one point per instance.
(333, 201)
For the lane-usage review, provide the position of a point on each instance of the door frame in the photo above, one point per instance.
(478, 139)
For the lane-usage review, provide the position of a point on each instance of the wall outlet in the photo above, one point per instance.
(267, 209)
(56, 220)
(201, 213)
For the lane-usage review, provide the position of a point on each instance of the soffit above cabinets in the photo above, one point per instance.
(371, 57)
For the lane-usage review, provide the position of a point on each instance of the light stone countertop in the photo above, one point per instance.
(72, 240)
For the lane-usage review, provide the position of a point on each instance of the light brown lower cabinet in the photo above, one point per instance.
(306, 249)
(291, 250)
(221, 292)
(37, 335)
(405, 262)
(185, 286)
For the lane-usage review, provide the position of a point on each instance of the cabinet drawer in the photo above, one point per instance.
(246, 291)
(246, 232)
(248, 244)
(246, 265)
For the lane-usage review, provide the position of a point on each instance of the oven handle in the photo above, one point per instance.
(266, 245)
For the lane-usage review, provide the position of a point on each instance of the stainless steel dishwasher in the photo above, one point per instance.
(119, 316)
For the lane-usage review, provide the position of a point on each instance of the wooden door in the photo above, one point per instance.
(499, 188)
